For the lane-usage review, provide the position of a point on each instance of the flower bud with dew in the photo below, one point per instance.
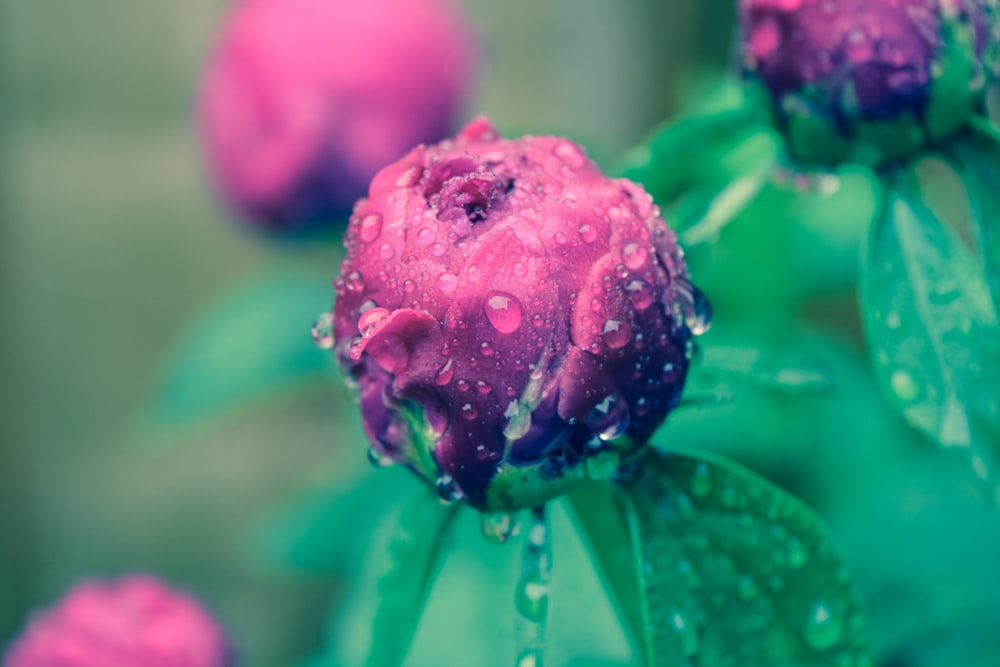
(869, 80)
(515, 321)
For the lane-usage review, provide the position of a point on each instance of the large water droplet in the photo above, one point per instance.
(369, 318)
(609, 419)
(322, 331)
(500, 526)
(426, 236)
(532, 598)
(447, 282)
(823, 627)
(616, 334)
(371, 227)
(635, 255)
(641, 294)
(503, 310)
(588, 233)
(695, 307)
(448, 489)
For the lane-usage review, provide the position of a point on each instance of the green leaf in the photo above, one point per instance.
(704, 168)
(931, 327)
(254, 342)
(408, 569)
(329, 530)
(712, 566)
(979, 157)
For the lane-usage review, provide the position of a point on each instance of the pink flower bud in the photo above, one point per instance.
(509, 314)
(304, 100)
(134, 621)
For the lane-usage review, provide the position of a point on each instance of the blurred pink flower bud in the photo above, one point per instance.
(511, 316)
(134, 621)
(304, 100)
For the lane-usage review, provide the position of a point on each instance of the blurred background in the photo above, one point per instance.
(112, 243)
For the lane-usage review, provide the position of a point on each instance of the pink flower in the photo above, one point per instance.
(304, 100)
(509, 314)
(134, 621)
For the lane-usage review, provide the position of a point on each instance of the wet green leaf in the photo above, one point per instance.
(408, 569)
(979, 156)
(931, 327)
(330, 530)
(712, 565)
(254, 342)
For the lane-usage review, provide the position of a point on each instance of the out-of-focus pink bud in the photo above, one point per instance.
(304, 100)
(134, 621)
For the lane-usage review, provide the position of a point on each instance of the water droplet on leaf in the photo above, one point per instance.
(500, 526)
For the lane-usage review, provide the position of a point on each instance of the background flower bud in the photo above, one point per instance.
(304, 100)
(869, 80)
(134, 621)
(514, 319)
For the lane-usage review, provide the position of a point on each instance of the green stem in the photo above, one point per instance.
(532, 595)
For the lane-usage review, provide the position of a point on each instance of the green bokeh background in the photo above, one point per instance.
(111, 243)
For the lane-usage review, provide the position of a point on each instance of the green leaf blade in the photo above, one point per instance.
(409, 568)
(250, 344)
(730, 570)
(932, 329)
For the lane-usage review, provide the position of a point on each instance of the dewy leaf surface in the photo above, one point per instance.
(932, 329)
(713, 566)
(979, 156)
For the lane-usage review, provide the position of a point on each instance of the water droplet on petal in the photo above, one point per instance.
(426, 236)
(371, 227)
(823, 627)
(486, 349)
(386, 251)
(354, 282)
(504, 312)
(446, 373)
(447, 282)
(609, 419)
(616, 334)
(500, 526)
(448, 489)
(322, 331)
(370, 318)
(635, 255)
(641, 294)
(588, 233)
